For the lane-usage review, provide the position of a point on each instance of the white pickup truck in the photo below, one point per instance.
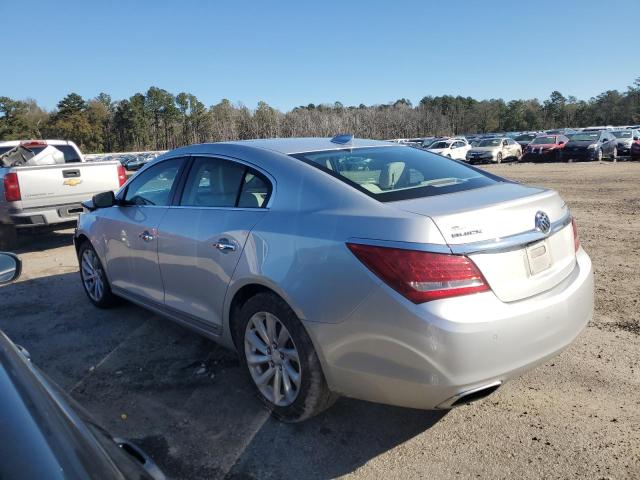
(40, 195)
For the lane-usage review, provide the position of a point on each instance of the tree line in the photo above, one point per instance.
(160, 120)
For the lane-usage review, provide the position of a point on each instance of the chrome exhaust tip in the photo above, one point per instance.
(470, 396)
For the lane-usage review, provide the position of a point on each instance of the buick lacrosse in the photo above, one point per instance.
(345, 267)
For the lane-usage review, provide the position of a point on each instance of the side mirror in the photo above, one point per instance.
(104, 200)
(561, 142)
(10, 267)
(636, 138)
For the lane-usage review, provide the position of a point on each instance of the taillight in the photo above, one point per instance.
(421, 276)
(122, 175)
(12, 187)
(576, 239)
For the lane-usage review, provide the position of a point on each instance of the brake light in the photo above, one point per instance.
(33, 143)
(422, 276)
(122, 175)
(12, 187)
(576, 239)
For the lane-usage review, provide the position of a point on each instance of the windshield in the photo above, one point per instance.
(397, 173)
(490, 142)
(525, 137)
(543, 141)
(439, 145)
(622, 134)
(585, 137)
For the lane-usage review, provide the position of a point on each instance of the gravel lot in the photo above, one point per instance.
(185, 401)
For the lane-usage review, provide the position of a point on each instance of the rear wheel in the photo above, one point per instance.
(94, 280)
(280, 359)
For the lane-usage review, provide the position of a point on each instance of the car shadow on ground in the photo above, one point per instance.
(181, 397)
(43, 238)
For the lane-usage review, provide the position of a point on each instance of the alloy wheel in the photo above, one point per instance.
(273, 359)
(92, 275)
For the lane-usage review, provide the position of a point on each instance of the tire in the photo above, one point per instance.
(8, 237)
(557, 157)
(599, 155)
(499, 157)
(614, 154)
(97, 288)
(267, 314)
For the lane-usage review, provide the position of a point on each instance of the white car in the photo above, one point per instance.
(453, 148)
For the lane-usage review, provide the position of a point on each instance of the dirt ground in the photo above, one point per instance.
(185, 401)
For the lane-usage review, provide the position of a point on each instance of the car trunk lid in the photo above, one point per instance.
(496, 227)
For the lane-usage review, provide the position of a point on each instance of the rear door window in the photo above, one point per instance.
(214, 182)
(398, 173)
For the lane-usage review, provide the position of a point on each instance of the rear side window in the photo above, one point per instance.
(214, 182)
(398, 173)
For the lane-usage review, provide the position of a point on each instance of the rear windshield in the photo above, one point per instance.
(544, 141)
(70, 155)
(622, 134)
(397, 173)
(585, 137)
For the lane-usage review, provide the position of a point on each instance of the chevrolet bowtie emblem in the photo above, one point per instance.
(72, 182)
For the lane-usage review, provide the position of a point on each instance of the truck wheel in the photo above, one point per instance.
(8, 237)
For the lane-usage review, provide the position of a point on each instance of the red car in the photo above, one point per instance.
(545, 148)
(635, 149)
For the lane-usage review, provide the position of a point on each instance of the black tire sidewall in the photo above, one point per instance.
(108, 299)
(314, 395)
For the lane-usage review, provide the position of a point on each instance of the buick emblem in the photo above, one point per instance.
(543, 224)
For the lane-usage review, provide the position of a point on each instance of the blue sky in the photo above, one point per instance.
(291, 53)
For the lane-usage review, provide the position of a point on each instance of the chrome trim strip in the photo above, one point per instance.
(511, 242)
(422, 247)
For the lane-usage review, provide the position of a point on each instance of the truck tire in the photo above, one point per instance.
(8, 237)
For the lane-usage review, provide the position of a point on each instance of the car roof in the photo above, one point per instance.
(289, 146)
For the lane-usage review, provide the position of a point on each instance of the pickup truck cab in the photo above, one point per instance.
(41, 195)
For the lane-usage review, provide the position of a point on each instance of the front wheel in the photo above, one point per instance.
(279, 356)
(599, 155)
(614, 154)
(499, 157)
(94, 280)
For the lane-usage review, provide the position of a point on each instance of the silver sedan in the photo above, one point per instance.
(345, 267)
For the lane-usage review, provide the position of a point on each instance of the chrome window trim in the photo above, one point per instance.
(512, 242)
(421, 247)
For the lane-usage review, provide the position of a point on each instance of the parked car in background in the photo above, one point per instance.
(452, 148)
(591, 145)
(635, 150)
(494, 150)
(525, 139)
(545, 148)
(408, 283)
(625, 139)
(46, 434)
(39, 195)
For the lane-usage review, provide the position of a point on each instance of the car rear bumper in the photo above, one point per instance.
(586, 154)
(426, 356)
(51, 215)
(544, 156)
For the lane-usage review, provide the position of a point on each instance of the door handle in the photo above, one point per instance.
(146, 236)
(225, 245)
